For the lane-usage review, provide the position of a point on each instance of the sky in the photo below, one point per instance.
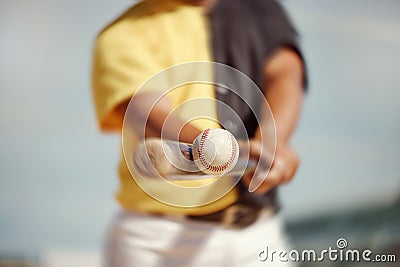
(58, 172)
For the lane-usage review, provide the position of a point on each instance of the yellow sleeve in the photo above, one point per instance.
(122, 61)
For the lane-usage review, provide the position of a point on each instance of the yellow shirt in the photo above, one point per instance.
(150, 37)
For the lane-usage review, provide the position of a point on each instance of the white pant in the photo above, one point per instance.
(136, 239)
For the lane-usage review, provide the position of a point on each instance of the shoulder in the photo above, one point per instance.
(143, 19)
(125, 23)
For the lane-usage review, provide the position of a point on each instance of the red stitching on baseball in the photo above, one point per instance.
(218, 168)
(201, 148)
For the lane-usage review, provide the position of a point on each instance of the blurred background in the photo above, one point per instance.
(58, 173)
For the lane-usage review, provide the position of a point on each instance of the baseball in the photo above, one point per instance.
(215, 151)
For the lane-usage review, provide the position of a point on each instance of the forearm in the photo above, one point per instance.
(173, 129)
(283, 91)
(285, 101)
(149, 114)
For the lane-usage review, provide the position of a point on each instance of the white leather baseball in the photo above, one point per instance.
(215, 151)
